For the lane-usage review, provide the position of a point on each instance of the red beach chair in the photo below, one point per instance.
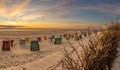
(3, 45)
(39, 39)
(6, 46)
(65, 35)
(80, 36)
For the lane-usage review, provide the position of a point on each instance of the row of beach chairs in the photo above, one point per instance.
(34, 44)
(7, 44)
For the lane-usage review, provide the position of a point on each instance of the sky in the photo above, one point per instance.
(64, 14)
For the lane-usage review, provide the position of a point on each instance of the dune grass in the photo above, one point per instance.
(98, 54)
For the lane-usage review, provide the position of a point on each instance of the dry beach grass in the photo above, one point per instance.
(98, 54)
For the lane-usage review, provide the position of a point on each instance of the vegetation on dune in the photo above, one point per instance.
(98, 54)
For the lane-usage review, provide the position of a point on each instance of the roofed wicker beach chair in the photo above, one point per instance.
(34, 45)
(39, 39)
(45, 37)
(6, 45)
(27, 39)
(11, 43)
(22, 42)
(58, 40)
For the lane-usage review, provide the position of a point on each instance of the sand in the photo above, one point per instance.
(116, 64)
(21, 57)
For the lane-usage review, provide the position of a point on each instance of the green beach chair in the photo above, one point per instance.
(34, 45)
(61, 36)
(58, 40)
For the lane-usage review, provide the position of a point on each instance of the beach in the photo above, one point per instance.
(20, 55)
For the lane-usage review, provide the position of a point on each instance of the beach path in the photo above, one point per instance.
(42, 64)
(116, 64)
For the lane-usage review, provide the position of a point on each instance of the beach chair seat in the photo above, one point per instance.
(34, 45)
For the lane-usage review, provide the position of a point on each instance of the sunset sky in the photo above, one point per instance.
(57, 13)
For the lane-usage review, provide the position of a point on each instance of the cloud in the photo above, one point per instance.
(33, 16)
(45, 0)
(54, 10)
(78, 5)
(9, 26)
(108, 8)
(18, 9)
(113, 9)
(2, 6)
(10, 8)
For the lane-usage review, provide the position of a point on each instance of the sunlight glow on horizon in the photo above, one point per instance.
(50, 25)
(56, 13)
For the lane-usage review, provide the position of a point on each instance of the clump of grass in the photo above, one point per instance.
(97, 54)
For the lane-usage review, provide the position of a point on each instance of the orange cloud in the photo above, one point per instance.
(2, 7)
(18, 9)
(32, 16)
